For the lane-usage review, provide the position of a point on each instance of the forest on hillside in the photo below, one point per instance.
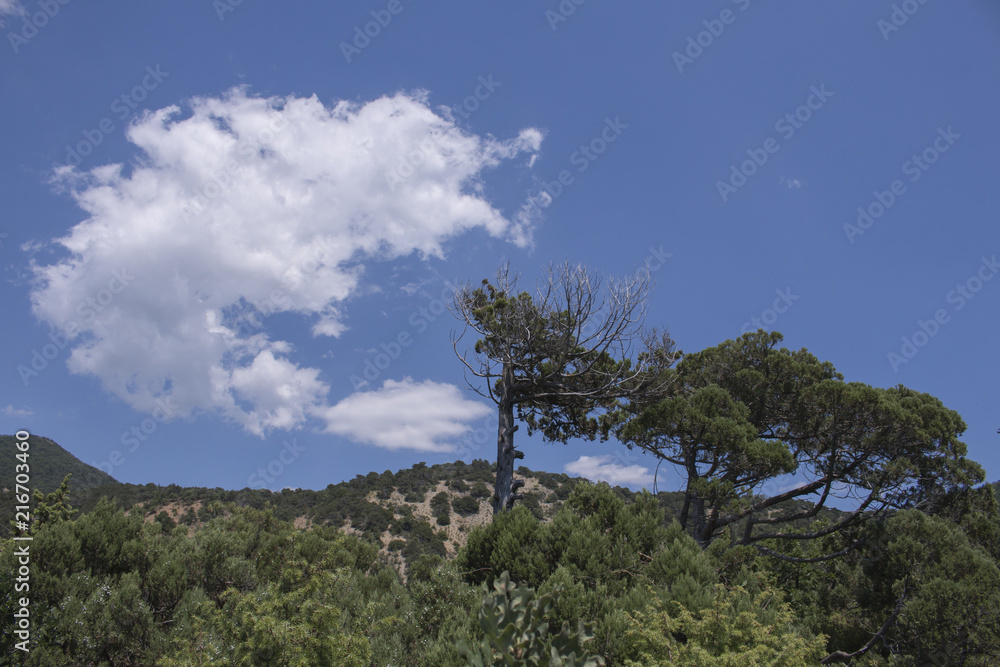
(606, 579)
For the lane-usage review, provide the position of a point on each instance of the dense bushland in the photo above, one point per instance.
(605, 581)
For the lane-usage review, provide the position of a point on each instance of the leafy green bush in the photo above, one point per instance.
(740, 628)
(516, 632)
(165, 521)
(440, 503)
(465, 505)
(480, 490)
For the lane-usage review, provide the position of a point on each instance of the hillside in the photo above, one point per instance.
(389, 568)
(49, 464)
(415, 511)
(419, 510)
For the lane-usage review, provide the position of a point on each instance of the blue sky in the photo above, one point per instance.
(219, 216)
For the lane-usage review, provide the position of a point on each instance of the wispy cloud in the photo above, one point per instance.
(252, 206)
(11, 411)
(790, 182)
(11, 7)
(601, 469)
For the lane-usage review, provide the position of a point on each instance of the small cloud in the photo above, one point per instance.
(11, 7)
(422, 416)
(601, 469)
(11, 411)
(790, 182)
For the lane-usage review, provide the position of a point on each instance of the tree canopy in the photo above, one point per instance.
(745, 413)
(560, 358)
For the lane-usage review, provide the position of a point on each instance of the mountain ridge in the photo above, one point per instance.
(414, 511)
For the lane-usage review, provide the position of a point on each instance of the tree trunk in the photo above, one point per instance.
(700, 521)
(504, 493)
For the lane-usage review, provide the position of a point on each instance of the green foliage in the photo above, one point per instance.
(240, 585)
(948, 587)
(530, 501)
(513, 542)
(299, 628)
(440, 503)
(53, 507)
(516, 632)
(165, 520)
(739, 629)
(465, 505)
(480, 490)
(50, 464)
(445, 610)
(600, 553)
(744, 412)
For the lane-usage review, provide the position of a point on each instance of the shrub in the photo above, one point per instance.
(440, 503)
(516, 632)
(465, 505)
(166, 521)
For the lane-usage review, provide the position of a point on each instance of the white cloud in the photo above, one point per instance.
(249, 207)
(11, 411)
(425, 416)
(10, 8)
(601, 469)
